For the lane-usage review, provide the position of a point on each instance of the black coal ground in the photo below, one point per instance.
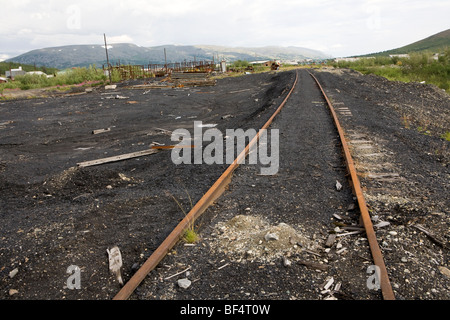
(56, 215)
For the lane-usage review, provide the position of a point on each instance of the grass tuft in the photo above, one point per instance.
(190, 235)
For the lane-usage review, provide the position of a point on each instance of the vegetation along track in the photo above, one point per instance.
(222, 185)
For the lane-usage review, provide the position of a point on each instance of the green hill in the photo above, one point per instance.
(435, 43)
(86, 55)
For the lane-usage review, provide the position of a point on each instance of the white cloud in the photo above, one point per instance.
(357, 26)
(120, 39)
(4, 57)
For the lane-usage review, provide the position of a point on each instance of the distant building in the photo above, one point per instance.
(346, 59)
(14, 73)
(402, 55)
(40, 73)
(264, 62)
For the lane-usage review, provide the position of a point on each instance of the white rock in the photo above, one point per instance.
(271, 236)
(286, 262)
(445, 271)
(329, 283)
(13, 292)
(184, 283)
(13, 273)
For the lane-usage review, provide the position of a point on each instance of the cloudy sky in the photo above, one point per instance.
(338, 28)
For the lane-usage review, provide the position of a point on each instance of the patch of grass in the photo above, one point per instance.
(417, 67)
(446, 136)
(78, 76)
(190, 234)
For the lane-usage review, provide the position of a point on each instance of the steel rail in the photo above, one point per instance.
(377, 256)
(207, 200)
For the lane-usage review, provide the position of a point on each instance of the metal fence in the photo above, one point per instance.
(127, 72)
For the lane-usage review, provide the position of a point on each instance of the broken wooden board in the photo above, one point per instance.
(101, 130)
(314, 265)
(117, 158)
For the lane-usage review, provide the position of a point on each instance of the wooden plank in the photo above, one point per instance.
(314, 265)
(101, 130)
(117, 158)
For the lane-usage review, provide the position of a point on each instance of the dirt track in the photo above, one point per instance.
(55, 215)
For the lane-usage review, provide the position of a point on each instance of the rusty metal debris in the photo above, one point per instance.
(127, 72)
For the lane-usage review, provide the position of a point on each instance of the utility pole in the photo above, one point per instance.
(107, 59)
(165, 59)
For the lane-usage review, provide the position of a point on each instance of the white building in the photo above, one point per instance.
(14, 72)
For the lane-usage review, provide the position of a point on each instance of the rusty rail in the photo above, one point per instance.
(208, 199)
(377, 256)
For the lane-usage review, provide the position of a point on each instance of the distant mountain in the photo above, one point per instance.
(86, 55)
(434, 43)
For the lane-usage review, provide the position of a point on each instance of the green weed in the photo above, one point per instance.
(190, 234)
(446, 136)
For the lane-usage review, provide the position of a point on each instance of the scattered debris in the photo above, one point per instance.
(117, 158)
(330, 240)
(101, 130)
(252, 238)
(221, 267)
(271, 236)
(445, 271)
(381, 224)
(176, 274)
(115, 262)
(430, 235)
(124, 177)
(194, 79)
(5, 123)
(314, 265)
(338, 186)
(286, 262)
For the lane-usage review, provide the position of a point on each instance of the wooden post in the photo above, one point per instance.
(107, 59)
(165, 59)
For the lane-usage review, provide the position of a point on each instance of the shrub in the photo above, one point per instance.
(418, 67)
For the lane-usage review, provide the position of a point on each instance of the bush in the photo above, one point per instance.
(76, 76)
(240, 64)
(418, 67)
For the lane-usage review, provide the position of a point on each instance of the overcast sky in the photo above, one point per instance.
(338, 28)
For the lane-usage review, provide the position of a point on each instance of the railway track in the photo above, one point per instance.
(219, 187)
